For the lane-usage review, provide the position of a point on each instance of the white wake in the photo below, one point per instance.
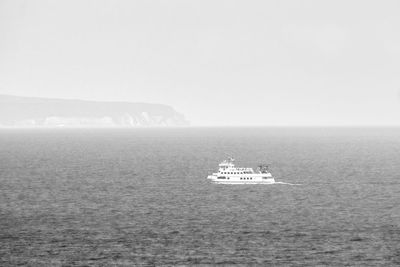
(285, 183)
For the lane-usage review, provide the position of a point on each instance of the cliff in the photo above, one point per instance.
(45, 112)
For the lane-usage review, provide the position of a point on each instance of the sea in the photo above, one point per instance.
(140, 197)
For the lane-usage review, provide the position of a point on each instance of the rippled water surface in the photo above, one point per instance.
(140, 197)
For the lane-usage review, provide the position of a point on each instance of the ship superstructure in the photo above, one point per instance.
(229, 174)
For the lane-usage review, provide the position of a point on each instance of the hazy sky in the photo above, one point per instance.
(218, 62)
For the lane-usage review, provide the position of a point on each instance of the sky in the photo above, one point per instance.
(220, 63)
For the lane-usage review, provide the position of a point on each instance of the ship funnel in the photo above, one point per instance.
(263, 168)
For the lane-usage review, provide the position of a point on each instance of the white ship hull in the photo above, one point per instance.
(269, 181)
(237, 180)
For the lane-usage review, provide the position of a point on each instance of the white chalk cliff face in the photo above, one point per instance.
(42, 112)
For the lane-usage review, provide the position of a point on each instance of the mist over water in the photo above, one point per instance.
(141, 197)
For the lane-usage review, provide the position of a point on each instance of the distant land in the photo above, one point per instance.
(16, 111)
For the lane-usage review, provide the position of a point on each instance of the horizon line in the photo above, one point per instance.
(198, 126)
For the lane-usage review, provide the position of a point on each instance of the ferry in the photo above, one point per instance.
(229, 174)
